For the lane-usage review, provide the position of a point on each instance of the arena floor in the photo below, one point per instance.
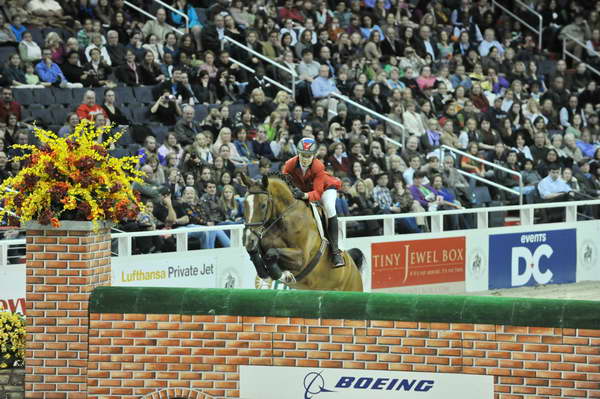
(587, 290)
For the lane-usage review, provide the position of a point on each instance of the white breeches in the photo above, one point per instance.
(328, 202)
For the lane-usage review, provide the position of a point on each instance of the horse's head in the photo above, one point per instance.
(263, 203)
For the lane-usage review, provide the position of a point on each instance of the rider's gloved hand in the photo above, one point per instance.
(298, 194)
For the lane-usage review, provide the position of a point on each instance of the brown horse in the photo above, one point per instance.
(282, 237)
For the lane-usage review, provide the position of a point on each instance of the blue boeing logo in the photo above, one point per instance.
(314, 384)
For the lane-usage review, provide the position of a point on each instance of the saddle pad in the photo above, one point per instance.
(315, 209)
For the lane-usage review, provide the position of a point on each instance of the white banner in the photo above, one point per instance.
(12, 288)
(264, 382)
(219, 268)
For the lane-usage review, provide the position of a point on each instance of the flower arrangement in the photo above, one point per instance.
(71, 178)
(12, 339)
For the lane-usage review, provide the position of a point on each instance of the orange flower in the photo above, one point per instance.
(55, 222)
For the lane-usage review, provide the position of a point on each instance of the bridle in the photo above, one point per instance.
(258, 228)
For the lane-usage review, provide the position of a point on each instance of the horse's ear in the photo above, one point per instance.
(265, 182)
(246, 180)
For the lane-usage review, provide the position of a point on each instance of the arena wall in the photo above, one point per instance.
(170, 342)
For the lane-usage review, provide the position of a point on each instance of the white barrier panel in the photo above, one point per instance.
(12, 290)
(481, 260)
(214, 268)
(265, 382)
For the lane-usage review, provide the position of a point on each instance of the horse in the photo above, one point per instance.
(284, 243)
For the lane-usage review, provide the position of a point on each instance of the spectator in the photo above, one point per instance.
(150, 73)
(113, 113)
(9, 106)
(29, 50)
(88, 108)
(129, 73)
(186, 128)
(50, 72)
(170, 146)
(212, 34)
(70, 125)
(322, 86)
(157, 26)
(98, 70)
(230, 206)
(553, 188)
(215, 215)
(115, 49)
(166, 109)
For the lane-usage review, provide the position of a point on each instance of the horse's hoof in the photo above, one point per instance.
(264, 284)
(287, 277)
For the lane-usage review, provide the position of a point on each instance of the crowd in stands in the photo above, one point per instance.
(453, 72)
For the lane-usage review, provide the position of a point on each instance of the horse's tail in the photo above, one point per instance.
(357, 256)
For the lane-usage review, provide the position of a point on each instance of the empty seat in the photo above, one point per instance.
(5, 53)
(201, 112)
(23, 96)
(58, 114)
(62, 96)
(160, 132)
(100, 94)
(37, 35)
(143, 94)
(77, 95)
(41, 116)
(43, 96)
(124, 95)
(119, 152)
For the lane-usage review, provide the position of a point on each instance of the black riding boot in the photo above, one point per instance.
(332, 230)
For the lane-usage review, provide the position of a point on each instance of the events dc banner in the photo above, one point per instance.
(534, 258)
(264, 382)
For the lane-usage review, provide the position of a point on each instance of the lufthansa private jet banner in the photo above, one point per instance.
(264, 382)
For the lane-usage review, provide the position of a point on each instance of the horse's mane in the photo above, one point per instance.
(283, 177)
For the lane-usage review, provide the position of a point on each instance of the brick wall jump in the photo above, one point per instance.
(133, 353)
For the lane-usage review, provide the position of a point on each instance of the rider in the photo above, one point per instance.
(314, 184)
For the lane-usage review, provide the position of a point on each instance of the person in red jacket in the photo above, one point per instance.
(314, 184)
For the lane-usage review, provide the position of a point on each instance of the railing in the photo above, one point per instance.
(293, 73)
(377, 116)
(526, 215)
(585, 48)
(124, 240)
(492, 165)
(146, 13)
(540, 28)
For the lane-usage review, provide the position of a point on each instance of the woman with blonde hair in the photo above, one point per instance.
(55, 44)
(201, 148)
(230, 206)
(225, 138)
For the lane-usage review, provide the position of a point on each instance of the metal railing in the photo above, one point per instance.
(526, 215)
(146, 13)
(277, 65)
(483, 179)
(375, 115)
(567, 52)
(540, 28)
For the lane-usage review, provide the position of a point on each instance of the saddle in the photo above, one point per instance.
(320, 218)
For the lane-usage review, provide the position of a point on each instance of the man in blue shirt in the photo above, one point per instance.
(322, 86)
(49, 71)
(554, 189)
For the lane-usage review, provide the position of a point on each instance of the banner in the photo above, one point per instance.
(12, 293)
(264, 382)
(219, 268)
(417, 262)
(533, 258)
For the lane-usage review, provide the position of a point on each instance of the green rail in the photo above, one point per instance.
(354, 306)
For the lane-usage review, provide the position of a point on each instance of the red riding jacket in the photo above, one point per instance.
(315, 181)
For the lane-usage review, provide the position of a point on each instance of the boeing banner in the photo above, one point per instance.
(264, 382)
(534, 258)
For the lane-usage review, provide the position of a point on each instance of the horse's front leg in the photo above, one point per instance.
(281, 262)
